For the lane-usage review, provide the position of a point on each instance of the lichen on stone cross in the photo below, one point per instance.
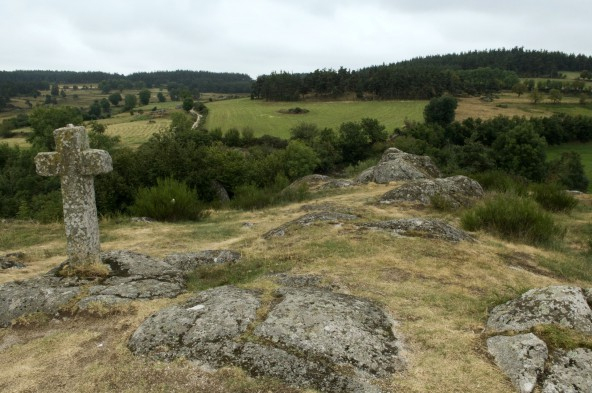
(76, 164)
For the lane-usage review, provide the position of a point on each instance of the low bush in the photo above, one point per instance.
(514, 218)
(169, 200)
(552, 197)
(501, 181)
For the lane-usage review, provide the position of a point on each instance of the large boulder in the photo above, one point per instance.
(311, 337)
(455, 191)
(560, 305)
(396, 165)
(570, 372)
(521, 357)
(420, 227)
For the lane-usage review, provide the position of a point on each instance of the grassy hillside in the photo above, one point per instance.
(439, 292)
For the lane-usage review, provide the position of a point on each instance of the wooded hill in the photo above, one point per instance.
(478, 72)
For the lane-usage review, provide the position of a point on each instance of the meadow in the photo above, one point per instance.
(265, 117)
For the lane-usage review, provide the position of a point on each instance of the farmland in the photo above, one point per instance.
(265, 117)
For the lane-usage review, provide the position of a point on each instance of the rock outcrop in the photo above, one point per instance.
(309, 219)
(318, 182)
(524, 358)
(420, 227)
(310, 337)
(561, 305)
(455, 191)
(131, 276)
(397, 165)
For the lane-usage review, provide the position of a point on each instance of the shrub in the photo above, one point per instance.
(501, 182)
(553, 198)
(169, 200)
(514, 218)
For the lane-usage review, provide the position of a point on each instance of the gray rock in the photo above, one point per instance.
(560, 305)
(219, 191)
(318, 182)
(12, 261)
(457, 191)
(204, 328)
(521, 357)
(366, 176)
(310, 338)
(131, 276)
(131, 264)
(397, 165)
(43, 294)
(419, 227)
(308, 219)
(342, 328)
(273, 362)
(188, 262)
(570, 372)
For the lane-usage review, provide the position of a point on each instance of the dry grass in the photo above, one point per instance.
(439, 293)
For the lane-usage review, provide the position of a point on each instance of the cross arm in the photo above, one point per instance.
(47, 164)
(95, 162)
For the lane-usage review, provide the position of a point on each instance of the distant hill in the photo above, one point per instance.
(476, 72)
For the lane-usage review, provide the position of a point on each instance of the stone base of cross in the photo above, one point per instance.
(76, 164)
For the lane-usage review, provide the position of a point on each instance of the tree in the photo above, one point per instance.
(299, 160)
(94, 110)
(536, 96)
(521, 151)
(130, 102)
(46, 119)
(304, 132)
(188, 104)
(55, 90)
(555, 96)
(569, 171)
(440, 110)
(105, 105)
(519, 88)
(144, 95)
(115, 98)
(354, 142)
(161, 97)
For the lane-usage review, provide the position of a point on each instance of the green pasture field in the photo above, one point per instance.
(265, 117)
(585, 151)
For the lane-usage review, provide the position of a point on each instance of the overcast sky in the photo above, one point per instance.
(260, 36)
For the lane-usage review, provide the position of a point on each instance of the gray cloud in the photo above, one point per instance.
(261, 36)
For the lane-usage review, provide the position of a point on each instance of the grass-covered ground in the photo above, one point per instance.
(439, 293)
(265, 117)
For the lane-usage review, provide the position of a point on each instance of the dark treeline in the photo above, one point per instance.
(478, 72)
(526, 63)
(28, 83)
(382, 82)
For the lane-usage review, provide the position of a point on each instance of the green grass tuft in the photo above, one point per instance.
(513, 218)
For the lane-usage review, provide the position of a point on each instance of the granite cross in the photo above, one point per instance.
(76, 164)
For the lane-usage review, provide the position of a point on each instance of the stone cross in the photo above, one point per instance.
(76, 164)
